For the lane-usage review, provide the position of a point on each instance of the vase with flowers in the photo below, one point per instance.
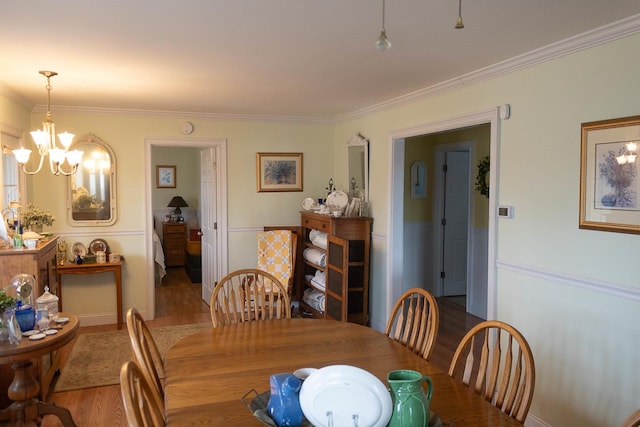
(34, 218)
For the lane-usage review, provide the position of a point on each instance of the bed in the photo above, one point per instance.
(158, 257)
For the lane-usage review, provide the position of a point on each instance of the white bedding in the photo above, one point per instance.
(158, 255)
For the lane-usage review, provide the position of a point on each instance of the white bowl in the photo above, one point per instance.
(30, 243)
(336, 213)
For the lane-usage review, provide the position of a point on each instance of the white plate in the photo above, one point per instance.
(37, 337)
(78, 248)
(345, 391)
(29, 333)
(308, 204)
(51, 331)
(62, 320)
(338, 199)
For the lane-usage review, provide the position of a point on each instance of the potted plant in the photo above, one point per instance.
(35, 218)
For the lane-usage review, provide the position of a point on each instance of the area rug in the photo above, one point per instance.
(96, 358)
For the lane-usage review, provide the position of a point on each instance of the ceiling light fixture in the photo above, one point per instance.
(45, 140)
(383, 42)
(459, 23)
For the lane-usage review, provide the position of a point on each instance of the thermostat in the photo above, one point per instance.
(505, 211)
(186, 128)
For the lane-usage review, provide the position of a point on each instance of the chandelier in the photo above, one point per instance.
(45, 140)
(630, 155)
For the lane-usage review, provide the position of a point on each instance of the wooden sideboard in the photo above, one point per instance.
(40, 262)
(174, 241)
(346, 291)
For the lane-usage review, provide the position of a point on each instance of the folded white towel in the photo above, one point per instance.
(315, 256)
(319, 279)
(315, 299)
(318, 238)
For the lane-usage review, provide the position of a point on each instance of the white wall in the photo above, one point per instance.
(575, 294)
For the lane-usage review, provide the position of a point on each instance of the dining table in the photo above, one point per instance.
(209, 374)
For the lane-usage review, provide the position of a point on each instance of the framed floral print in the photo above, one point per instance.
(165, 176)
(279, 171)
(609, 178)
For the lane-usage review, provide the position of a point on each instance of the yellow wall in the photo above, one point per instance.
(575, 294)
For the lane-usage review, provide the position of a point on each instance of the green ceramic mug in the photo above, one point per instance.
(410, 402)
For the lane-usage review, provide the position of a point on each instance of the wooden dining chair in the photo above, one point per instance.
(145, 351)
(414, 321)
(633, 420)
(506, 378)
(248, 295)
(140, 398)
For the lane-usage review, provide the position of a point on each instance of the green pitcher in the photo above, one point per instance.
(410, 403)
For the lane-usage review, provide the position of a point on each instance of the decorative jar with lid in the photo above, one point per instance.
(48, 301)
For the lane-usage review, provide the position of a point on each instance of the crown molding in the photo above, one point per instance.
(596, 37)
(181, 114)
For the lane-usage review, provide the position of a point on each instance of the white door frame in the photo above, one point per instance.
(395, 208)
(220, 145)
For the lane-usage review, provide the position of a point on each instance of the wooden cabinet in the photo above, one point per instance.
(40, 262)
(174, 241)
(345, 267)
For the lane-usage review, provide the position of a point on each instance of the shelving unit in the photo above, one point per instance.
(346, 292)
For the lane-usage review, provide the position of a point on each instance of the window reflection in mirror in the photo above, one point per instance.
(92, 189)
(358, 167)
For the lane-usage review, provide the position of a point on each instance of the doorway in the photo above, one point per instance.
(481, 301)
(218, 201)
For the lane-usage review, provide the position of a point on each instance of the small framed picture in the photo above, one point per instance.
(279, 171)
(165, 176)
(610, 175)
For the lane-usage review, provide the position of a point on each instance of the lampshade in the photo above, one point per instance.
(177, 202)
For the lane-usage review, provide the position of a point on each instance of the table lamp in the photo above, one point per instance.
(177, 202)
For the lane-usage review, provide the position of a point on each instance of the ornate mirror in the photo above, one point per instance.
(358, 167)
(92, 189)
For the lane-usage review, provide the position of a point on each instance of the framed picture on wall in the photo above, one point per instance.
(609, 175)
(165, 176)
(279, 171)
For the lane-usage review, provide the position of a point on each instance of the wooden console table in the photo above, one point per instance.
(115, 267)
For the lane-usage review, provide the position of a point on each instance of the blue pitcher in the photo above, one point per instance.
(410, 402)
(284, 402)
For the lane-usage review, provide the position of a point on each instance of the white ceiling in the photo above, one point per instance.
(294, 58)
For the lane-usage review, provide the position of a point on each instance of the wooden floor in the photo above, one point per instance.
(178, 301)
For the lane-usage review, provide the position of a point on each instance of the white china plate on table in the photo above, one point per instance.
(37, 337)
(78, 248)
(30, 333)
(345, 392)
(61, 320)
(338, 199)
(50, 332)
(308, 204)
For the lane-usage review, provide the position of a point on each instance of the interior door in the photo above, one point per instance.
(208, 221)
(456, 230)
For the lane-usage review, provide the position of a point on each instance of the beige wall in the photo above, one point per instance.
(575, 294)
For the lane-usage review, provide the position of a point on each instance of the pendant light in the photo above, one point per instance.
(383, 42)
(459, 23)
(45, 140)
